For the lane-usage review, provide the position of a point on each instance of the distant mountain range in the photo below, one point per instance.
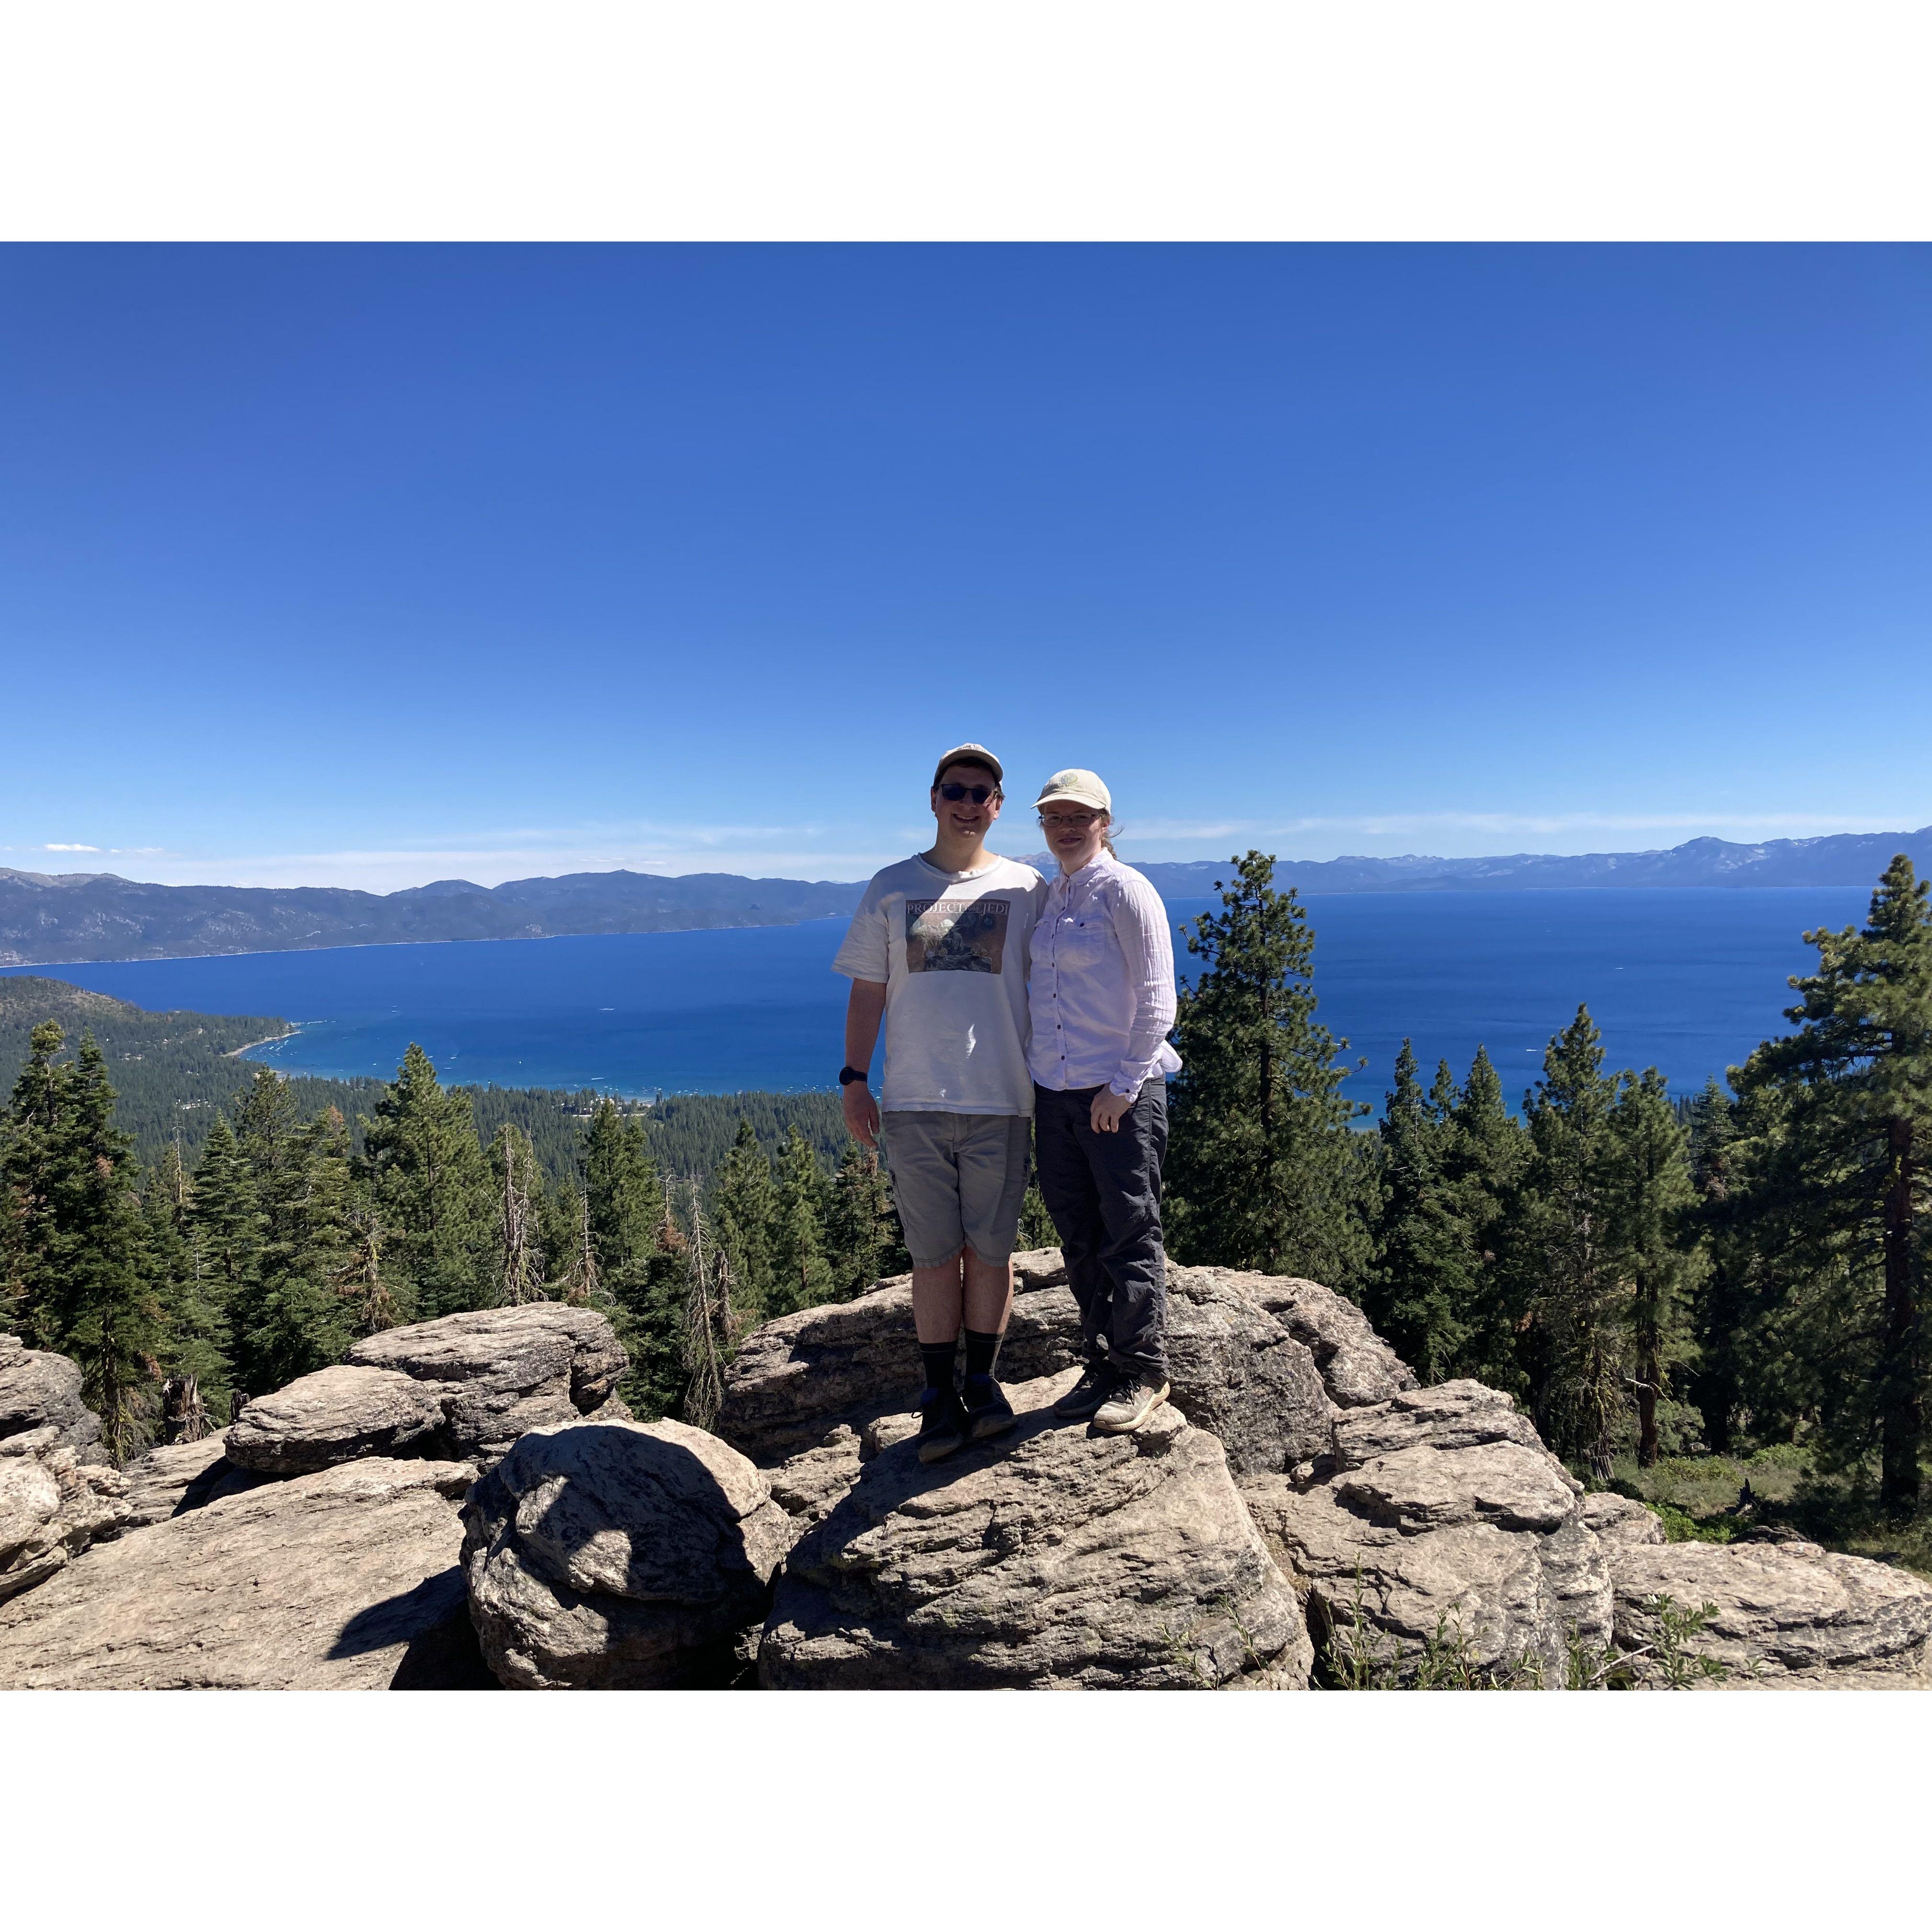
(64, 918)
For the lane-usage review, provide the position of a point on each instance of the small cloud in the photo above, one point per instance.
(131, 851)
(69, 848)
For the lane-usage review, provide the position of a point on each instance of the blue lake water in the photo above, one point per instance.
(1688, 981)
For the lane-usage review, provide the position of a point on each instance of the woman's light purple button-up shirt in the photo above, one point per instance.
(1101, 988)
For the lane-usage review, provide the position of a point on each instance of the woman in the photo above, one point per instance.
(1100, 990)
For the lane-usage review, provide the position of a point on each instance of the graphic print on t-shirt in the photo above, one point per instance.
(955, 935)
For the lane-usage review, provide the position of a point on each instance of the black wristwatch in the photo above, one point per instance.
(847, 1075)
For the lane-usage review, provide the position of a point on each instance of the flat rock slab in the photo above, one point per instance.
(179, 1476)
(337, 1414)
(1787, 1616)
(346, 1580)
(1236, 1369)
(500, 1371)
(1053, 1558)
(620, 1556)
(39, 1390)
(1445, 1527)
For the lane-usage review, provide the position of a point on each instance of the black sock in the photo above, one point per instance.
(938, 1359)
(981, 1352)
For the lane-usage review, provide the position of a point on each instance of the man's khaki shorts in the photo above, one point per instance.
(959, 1179)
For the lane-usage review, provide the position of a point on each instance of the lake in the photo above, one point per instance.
(1687, 980)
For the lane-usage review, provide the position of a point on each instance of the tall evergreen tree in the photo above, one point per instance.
(289, 1318)
(226, 1219)
(429, 1181)
(1840, 1186)
(1564, 1244)
(103, 1302)
(1263, 1171)
(1488, 1150)
(1656, 1234)
(1421, 1274)
(29, 1161)
(1721, 1310)
(861, 1227)
(801, 1274)
(743, 1202)
(194, 1352)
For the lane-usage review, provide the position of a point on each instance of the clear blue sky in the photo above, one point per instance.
(377, 565)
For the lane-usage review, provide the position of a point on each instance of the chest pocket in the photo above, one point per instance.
(1083, 941)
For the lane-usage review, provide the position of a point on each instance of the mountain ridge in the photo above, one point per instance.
(53, 919)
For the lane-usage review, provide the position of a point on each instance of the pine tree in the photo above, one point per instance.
(1841, 1190)
(78, 1241)
(29, 1142)
(801, 1275)
(429, 1182)
(288, 1318)
(1721, 1309)
(862, 1229)
(743, 1203)
(194, 1352)
(1565, 1246)
(1424, 1264)
(226, 1220)
(1656, 1236)
(1263, 1171)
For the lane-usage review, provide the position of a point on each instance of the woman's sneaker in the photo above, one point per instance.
(942, 1424)
(988, 1410)
(1086, 1395)
(1134, 1398)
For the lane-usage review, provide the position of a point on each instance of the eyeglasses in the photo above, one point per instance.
(953, 793)
(1068, 821)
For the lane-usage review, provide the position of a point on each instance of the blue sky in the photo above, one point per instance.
(371, 566)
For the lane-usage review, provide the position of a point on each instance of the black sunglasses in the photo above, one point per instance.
(953, 793)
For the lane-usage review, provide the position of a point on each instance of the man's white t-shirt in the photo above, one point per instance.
(951, 950)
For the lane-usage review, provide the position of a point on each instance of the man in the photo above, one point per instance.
(937, 949)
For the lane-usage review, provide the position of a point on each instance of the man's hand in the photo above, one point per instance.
(861, 1111)
(1109, 1109)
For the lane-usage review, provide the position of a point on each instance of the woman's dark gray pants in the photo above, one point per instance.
(1103, 1192)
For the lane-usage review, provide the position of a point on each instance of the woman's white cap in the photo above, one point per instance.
(1076, 787)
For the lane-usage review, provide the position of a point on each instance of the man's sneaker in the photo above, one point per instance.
(1086, 1395)
(1133, 1400)
(942, 1424)
(988, 1410)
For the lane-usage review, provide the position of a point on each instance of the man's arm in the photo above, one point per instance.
(863, 1011)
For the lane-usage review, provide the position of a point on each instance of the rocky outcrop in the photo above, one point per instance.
(1055, 1557)
(1618, 1520)
(1358, 1366)
(499, 1372)
(41, 1390)
(51, 1507)
(809, 1486)
(345, 1579)
(1785, 1616)
(1237, 1370)
(620, 1555)
(1443, 1526)
(336, 1415)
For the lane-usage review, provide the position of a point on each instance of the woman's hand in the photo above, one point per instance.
(1109, 1109)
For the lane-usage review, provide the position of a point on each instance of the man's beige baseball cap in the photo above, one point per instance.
(977, 754)
(1075, 787)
